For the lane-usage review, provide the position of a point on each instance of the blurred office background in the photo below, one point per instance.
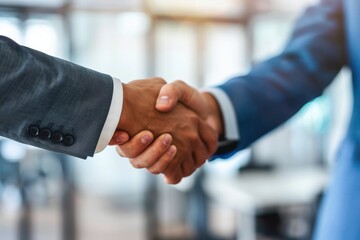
(270, 191)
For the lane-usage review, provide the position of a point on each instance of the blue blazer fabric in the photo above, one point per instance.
(325, 39)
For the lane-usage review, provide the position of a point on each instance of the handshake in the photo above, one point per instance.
(167, 128)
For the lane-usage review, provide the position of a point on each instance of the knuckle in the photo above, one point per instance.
(130, 155)
(188, 173)
(119, 151)
(200, 162)
(174, 180)
(194, 119)
(213, 144)
(193, 137)
(136, 164)
(124, 152)
(167, 159)
(213, 147)
(154, 171)
(179, 82)
(159, 79)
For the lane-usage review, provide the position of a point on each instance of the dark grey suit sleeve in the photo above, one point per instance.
(51, 103)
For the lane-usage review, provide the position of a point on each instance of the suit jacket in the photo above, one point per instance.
(325, 39)
(50, 103)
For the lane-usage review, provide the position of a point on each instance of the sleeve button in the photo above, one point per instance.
(68, 140)
(33, 131)
(45, 134)
(57, 137)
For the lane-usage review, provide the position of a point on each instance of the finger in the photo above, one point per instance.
(136, 145)
(208, 136)
(178, 91)
(164, 161)
(153, 153)
(204, 145)
(119, 137)
(174, 173)
(188, 167)
(199, 153)
(173, 177)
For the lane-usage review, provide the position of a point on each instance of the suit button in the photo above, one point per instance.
(57, 137)
(68, 140)
(33, 131)
(45, 134)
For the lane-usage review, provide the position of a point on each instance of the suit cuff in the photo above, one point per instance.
(113, 117)
(228, 113)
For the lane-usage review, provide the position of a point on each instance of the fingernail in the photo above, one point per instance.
(121, 137)
(172, 150)
(146, 139)
(164, 100)
(167, 140)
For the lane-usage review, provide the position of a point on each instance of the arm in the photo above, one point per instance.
(56, 105)
(42, 95)
(276, 89)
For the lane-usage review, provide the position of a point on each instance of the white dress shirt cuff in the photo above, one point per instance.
(228, 113)
(113, 117)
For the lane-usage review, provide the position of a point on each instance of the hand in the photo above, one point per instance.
(194, 139)
(143, 152)
(204, 104)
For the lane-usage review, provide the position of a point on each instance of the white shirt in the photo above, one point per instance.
(231, 132)
(113, 116)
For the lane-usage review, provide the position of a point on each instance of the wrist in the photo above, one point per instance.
(128, 109)
(139, 99)
(215, 118)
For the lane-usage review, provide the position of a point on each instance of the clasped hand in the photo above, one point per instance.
(167, 128)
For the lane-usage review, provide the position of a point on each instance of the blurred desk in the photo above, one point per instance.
(251, 192)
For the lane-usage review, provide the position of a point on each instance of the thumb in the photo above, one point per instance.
(168, 97)
(178, 91)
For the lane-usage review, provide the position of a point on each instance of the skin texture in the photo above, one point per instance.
(155, 150)
(156, 154)
(204, 104)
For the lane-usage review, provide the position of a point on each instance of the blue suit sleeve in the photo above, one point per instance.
(276, 89)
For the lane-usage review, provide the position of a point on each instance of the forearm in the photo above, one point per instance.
(276, 89)
(37, 89)
(113, 117)
(215, 118)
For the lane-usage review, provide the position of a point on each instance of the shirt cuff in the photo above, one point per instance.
(113, 117)
(228, 113)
